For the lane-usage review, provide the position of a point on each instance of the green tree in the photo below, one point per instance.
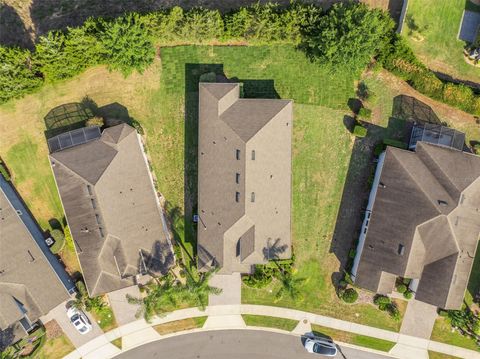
(128, 44)
(18, 74)
(198, 289)
(84, 302)
(290, 286)
(349, 35)
(62, 55)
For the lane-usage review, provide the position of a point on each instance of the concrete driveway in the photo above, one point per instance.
(124, 311)
(419, 319)
(231, 285)
(59, 313)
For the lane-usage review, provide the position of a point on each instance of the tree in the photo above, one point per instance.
(289, 286)
(84, 302)
(349, 35)
(128, 44)
(198, 289)
(18, 74)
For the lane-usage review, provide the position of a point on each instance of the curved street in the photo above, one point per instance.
(235, 344)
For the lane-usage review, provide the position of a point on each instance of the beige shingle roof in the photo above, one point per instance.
(244, 178)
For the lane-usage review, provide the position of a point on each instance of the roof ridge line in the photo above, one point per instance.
(437, 166)
(416, 182)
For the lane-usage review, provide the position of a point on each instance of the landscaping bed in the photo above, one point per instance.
(180, 325)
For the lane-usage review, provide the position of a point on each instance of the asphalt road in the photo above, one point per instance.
(234, 344)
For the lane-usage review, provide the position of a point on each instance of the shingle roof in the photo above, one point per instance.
(112, 210)
(26, 277)
(244, 177)
(427, 202)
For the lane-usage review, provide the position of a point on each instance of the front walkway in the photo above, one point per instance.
(140, 332)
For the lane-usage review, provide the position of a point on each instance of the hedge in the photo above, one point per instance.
(59, 239)
(400, 60)
(365, 113)
(4, 171)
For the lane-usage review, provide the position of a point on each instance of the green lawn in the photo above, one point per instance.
(105, 318)
(356, 339)
(436, 355)
(435, 39)
(442, 332)
(269, 322)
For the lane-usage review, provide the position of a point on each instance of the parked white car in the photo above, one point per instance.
(79, 320)
(322, 346)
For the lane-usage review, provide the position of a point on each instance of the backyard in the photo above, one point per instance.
(163, 100)
(431, 27)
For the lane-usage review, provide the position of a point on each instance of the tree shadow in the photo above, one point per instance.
(7, 337)
(12, 29)
(274, 250)
(409, 108)
(159, 260)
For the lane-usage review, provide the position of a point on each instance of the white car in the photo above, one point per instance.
(79, 320)
(322, 346)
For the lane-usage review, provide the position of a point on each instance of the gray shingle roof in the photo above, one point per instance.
(244, 177)
(26, 277)
(428, 202)
(112, 210)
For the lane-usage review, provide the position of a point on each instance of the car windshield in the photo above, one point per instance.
(82, 329)
(323, 349)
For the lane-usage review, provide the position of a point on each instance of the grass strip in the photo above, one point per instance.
(352, 338)
(180, 325)
(269, 322)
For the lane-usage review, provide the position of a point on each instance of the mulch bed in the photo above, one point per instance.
(53, 329)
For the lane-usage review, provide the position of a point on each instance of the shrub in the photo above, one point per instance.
(59, 239)
(359, 131)
(395, 143)
(381, 299)
(208, 77)
(402, 288)
(458, 95)
(408, 294)
(393, 311)
(95, 121)
(426, 82)
(350, 295)
(407, 281)
(476, 148)
(365, 113)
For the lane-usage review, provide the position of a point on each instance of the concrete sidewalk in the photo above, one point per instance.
(225, 317)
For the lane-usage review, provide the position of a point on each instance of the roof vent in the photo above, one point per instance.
(401, 249)
(382, 185)
(442, 203)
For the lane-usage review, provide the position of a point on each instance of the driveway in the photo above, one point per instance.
(59, 313)
(124, 311)
(419, 319)
(235, 344)
(231, 285)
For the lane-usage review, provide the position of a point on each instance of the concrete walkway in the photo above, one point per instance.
(124, 311)
(140, 332)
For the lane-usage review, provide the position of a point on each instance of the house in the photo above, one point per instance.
(244, 179)
(32, 281)
(111, 207)
(422, 222)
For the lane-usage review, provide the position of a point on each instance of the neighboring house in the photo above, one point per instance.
(112, 208)
(31, 282)
(422, 222)
(244, 179)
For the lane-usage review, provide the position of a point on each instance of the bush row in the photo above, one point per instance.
(400, 60)
(128, 43)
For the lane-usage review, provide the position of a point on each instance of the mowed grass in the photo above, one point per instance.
(435, 41)
(55, 348)
(352, 338)
(269, 322)
(180, 325)
(442, 332)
